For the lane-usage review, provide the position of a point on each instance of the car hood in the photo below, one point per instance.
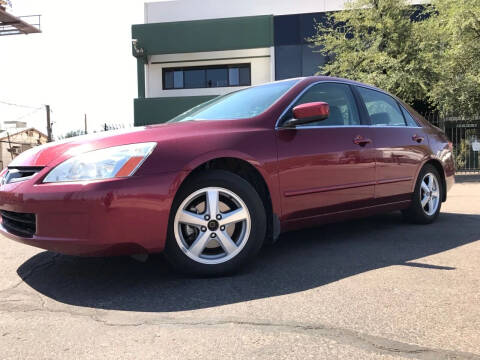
(53, 153)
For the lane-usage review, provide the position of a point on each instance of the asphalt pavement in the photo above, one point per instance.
(375, 288)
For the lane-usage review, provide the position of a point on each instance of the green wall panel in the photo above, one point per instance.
(159, 110)
(141, 77)
(205, 35)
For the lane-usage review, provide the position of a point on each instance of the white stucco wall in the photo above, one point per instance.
(260, 60)
(182, 10)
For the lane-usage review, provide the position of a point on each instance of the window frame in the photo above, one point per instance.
(404, 110)
(365, 120)
(364, 106)
(357, 103)
(205, 68)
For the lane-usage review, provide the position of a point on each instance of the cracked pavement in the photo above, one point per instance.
(374, 288)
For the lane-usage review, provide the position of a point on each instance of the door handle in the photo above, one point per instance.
(417, 138)
(360, 140)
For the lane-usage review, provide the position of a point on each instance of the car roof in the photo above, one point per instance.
(316, 78)
(339, 79)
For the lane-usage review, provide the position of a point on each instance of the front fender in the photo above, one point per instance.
(268, 171)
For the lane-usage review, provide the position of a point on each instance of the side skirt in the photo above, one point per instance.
(313, 221)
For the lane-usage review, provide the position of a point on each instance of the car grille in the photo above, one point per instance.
(20, 224)
(21, 173)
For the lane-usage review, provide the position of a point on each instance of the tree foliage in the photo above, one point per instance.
(72, 133)
(374, 41)
(452, 36)
(79, 132)
(429, 53)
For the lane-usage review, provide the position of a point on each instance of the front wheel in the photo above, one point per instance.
(217, 224)
(427, 197)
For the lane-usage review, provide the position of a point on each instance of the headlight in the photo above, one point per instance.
(2, 175)
(118, 161)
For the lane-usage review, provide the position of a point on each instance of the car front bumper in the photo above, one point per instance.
(108, 217)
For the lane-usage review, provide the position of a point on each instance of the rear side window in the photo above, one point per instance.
(343, 110)
(382, 109)
(408, 117)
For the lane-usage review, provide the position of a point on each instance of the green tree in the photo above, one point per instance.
(376, 42)
(452, 36)
(72, 133)
(434, 59)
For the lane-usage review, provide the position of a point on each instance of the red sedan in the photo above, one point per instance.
(212, 185)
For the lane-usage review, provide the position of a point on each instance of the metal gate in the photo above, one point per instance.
(464, 133)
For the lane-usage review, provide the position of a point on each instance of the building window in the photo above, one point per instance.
(294, 54)
(194, 79)
(206, 77)
(178, 79)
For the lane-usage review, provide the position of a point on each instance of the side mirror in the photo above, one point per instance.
(307, 113)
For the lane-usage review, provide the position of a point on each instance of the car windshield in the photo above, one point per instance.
(241, 104)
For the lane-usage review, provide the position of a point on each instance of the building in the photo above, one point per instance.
(16, 25)
(189, 51)
(16, 140)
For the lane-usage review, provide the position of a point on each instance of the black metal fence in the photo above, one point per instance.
(464, 133)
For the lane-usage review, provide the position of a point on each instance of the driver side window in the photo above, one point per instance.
(343, 110)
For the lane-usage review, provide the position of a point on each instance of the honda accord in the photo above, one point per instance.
(211, 186)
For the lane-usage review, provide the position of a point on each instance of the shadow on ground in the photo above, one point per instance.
(299, 261)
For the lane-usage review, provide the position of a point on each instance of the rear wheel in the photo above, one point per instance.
(217, 224)
(427, 197)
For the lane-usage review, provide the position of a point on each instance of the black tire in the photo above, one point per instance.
(243, 189)
(416, 213)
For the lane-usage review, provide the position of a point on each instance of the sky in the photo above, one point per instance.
(80, 64)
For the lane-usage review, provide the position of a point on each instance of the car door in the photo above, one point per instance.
(400, 145)
(329, 165)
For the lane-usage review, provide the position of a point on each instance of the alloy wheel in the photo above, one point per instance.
(212, 225)
(429, 194)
